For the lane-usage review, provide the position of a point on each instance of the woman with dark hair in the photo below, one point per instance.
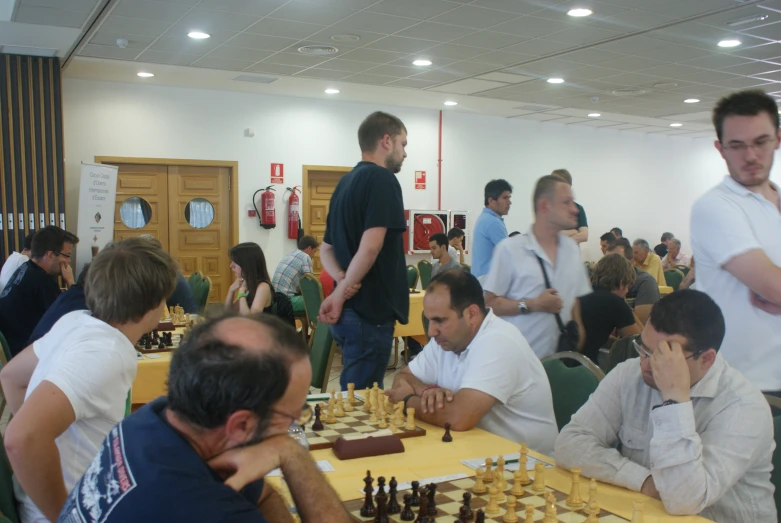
(256, 294)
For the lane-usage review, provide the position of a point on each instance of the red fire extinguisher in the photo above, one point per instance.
(293, 214)
(267, 213)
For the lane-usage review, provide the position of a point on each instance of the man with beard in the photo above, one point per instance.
(363, 241)
(516, 288)
(736, 228)
(236, 383)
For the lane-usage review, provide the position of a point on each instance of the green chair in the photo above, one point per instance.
(424, 268)
(194, 279)
(312, 292)
(467, 268)
(321, 356)
(570, 386)
(673, 277)
(684, 269)
(201, 292)
(621, 351)
(775, 476)
(412, 277)
(5, 357)
(7, 499)
(4, 519)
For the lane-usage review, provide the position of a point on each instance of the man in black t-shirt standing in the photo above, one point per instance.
(580, 232)
(33, 287)
(363, 246)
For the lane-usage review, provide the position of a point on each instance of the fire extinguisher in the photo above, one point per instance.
(267, 213)
(293, 214)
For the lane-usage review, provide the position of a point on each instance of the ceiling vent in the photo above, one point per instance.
(535, 108)
(255, 79)
(345, 38)
(630, 91)
(318, 50)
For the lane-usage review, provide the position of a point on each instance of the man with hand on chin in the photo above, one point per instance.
(679, 424)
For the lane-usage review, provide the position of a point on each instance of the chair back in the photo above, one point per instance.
(684, 269)
(775, 476)
(673, 277)
(321, 355)
(412, 277)
(201, 292)
(467, 268)
(194, 278)
(5, 357)
(7, 498)
(424, 267)
(3, 402)
(312, 293)
(621, 351)
(570, 386)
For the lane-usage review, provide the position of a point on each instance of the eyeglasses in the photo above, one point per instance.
(760, 145)
(642, 351)
(302, 419)
(62, 254)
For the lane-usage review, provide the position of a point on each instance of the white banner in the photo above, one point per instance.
(97, 196)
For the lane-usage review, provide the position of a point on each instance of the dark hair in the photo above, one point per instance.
(28, 241)
(375, 127)
(307, 241)
(440, 238)
(563, 174)
(209, 379)
(249, 256)
(454, 233)
(667, 236)
(495, 188)
(81, 280)
(693, 315)
(744, 103)
(621, 243)
(642, 244)
(607, 237)
(544, 188)
(615, 230)
(514, 233)
(464, 289)
(50, 238)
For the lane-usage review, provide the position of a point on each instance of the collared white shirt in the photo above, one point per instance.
(13, 262)
(498, 362)
(729, 220)
(709, 456)
(516, 274)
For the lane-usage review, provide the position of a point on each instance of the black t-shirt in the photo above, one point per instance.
(661, 250)
(582, 220)
(370, 196)
(602, 312)
(29, 293)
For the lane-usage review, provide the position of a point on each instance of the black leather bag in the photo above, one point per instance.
(568, 334)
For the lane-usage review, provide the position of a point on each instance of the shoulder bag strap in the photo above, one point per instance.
(548, 286)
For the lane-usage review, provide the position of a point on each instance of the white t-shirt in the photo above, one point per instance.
(453, 252)
(515, 274)
(498, 362)
(9, 267)
(94, 365)
(727, 221)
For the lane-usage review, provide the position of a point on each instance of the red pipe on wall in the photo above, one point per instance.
(439, 166)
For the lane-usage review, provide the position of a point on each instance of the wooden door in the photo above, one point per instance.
(199, 223)
(319, 185)
(142, 189)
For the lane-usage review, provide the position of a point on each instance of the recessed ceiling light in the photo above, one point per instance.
(691, 100)
(729, 43)
(594, 115)
(666, 85)
(579, 11)
(555, 80)
(451, 102)
(422, 62)
(332, 91)
(145, 75)
(676, 124)
(746, 20)
(198, 35)
(345, 38)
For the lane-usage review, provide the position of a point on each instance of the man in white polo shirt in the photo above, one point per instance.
(477, 370)
(736, 236)
(515, 285)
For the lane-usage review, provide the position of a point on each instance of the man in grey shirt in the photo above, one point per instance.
(442, 260)
(645, 292)
(679, 424)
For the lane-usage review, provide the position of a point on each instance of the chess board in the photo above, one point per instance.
(449, 499)
(356, 422)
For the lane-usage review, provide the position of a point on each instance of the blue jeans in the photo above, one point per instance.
(366, 349)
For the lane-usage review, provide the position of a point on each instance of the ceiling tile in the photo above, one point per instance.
(632, 63)
(285, 28)
(133, 41)
(159, 57)
(347, 66)
(503, 58)
(267, 43)
(571, 120)
(50, 16)
(716, 61)
(70, 5)
(740, 82)
(707, 77)
(679, 53)
(371, 79)
(752, 68)
(626, 126)
(632, 45)
(696, 34)
(418, 9)
(454, 51)
(629, 20)
(511, 6)
(719, 20)
(400, 44)
(506, 77)
(548, 67)
(590, 56)
(590, 73)
(351, 4)
(325, 35)
(489, 40)
(435, 31)
(437, 76)
(373, 55)
(239, 53)
(685, 9)
(774, 76)
(538, 47)
(596, 122)
(214, 62)
(540, 117)
(216, 23)
(323, 74)
(274, 69)
(134, 26)
(770, 31)
(466, 68)
(247, 7)
(148, 10)
(107, 51)
(761, 52)
(340, 50)
(469, 86)
(394, 70)
(475, 17)
(184, 45)
(412, 83)
(583, 35)
(672, 70)
(296, 60)
(313, 13)
(376, 23)
(531, 27)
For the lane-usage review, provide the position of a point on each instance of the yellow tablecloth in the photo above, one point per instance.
(665, 290)
(414, 327)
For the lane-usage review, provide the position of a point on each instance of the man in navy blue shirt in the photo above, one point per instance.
(71, 300)
(235, 386)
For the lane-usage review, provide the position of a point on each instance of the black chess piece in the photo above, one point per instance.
(381, 485)
(447, 438)
(415, 497)
(155, 336)
(423, 510)
(464, 515)
(318, 424)
(480, 516)
(382, 508)
(468, 504)
(148, 345)
(431, 492)
(407, 514)
(161, 345)
(368, 510)
(393, 504)
(168, 339)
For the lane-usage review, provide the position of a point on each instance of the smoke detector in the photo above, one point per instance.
(318, 50)
(122, 42)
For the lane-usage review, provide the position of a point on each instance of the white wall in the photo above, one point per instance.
(643, 183)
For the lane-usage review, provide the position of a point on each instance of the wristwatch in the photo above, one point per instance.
(523, 308)
(668, 402)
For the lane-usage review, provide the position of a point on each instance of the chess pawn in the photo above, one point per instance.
(501, 482)
(351, 393)
(479, 487)
(400, 414)
(348, 407)
(510, 516)
(592, 491)
(333, 394)
(539, 477)
(383, 421)
(500, 497)
(410, 419)
(637, 512)
(394, 428)
(339, 406)
(331, 417)
(593, 512)
(374, 418)
(529, 514)
(517, 489)
(493, 505)
(489, 475)
(574, 499)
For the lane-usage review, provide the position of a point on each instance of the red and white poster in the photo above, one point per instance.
(277, 173)
(420, 180)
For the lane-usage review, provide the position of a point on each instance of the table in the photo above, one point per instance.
(414, 327)
(664, 290)
(427, 457)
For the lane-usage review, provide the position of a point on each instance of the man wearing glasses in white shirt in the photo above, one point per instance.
(679, 424)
